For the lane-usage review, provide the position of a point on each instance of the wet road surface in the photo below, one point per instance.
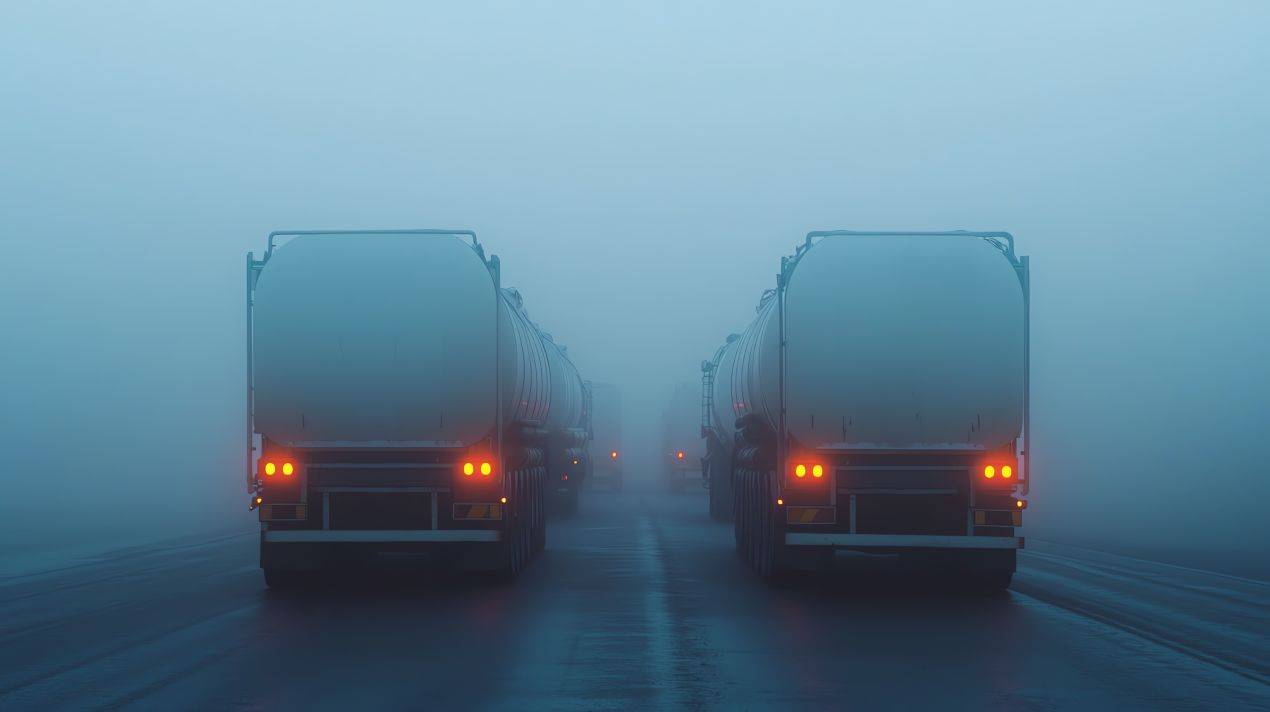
(639, 602)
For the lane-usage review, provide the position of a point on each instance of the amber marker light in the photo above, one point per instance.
(1020, 504)
(503, 500)
(679, 455)
(613, 455)
(780, 503)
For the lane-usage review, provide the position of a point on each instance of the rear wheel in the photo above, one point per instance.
(769, 544)
(514, 551)
(540, 512)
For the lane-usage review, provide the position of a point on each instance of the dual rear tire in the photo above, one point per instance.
(526, 532)
(757, 525)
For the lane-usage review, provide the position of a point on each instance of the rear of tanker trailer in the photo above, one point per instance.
(881, 401)
(375, 421)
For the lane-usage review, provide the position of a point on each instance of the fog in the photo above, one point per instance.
(640, 169)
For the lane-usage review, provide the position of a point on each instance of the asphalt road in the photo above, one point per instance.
(638, 603)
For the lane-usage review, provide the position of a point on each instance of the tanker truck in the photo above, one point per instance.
(400, 404)
(606, 425)
(878, 402)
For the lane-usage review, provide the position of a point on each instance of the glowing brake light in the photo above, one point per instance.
(270, 468)
(817, 471)
(486, 469)
(989, 471)
(469, 469)
(288, 469)
(1007, 472)
(800, 471)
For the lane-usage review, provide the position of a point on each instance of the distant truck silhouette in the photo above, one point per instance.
(606, 443)
(400, 401)
(681, 444)
(879, 402)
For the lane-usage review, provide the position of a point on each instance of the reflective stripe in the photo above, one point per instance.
(904, 540)
(388, 535)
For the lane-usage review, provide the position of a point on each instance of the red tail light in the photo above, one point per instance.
(274, 464)
(997, 471)
(804, 471)
(477, 467)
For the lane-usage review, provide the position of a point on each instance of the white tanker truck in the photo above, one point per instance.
(401, 401)
(878, 401)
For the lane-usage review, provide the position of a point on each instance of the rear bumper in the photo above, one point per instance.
(317, 536)
(901, 541)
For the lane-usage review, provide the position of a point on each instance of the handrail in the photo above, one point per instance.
(990, 235)
(406, 231)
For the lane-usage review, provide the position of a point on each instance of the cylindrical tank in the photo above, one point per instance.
(390, 341)
(892, 341)
(566, 410)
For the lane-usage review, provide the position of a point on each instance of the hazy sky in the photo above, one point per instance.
(640, 169)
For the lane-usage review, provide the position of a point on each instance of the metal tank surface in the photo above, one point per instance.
(878, 400)
(351, 334)
(398, 395)
(892, 342)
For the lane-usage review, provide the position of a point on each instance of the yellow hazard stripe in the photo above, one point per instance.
(810, 515)
(478, 511)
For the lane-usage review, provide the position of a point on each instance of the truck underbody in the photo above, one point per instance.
(350, 507)
(930, 508)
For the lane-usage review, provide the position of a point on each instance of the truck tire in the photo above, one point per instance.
(769, 544)
(514, 552)
(540, 512)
